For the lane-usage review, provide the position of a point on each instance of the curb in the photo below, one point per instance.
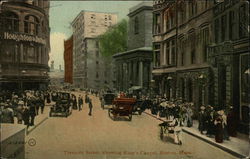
(33, 128)
(232, 152)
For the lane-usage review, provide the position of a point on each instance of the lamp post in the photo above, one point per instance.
(201, 80)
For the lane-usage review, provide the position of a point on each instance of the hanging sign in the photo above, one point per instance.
(22, 37)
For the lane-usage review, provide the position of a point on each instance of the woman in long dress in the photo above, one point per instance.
(218, 128)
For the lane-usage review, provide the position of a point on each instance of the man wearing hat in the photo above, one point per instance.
(7, 115)
(201, 119)
(19, 112)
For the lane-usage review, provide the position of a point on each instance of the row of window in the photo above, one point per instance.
(222, 32)
(9, 21)
(167, 55)
(31, 53)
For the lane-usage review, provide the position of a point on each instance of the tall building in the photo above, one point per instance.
(229, 58)
(68, 60)
(181, 33)
(24, 44)
(133, 67)
(88, 65)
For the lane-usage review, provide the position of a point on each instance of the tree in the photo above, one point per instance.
(114, 40)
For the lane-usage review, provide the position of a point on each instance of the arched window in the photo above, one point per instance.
(31, 25)
(9, 21)
(136, 25)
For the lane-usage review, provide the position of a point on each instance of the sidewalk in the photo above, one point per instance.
(39, 119)
(237, 146)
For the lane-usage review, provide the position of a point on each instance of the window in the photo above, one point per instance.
(30, 53)
(193, 57)
(167, 52)
(97, 62)
(110, 17)
(136, 25)
(31, 25)
(97, 75)
(223, 27)
(156, 55)
(97, 53)
(231, 25)
(172, 62)
(157, 23)
(9, 22)
(243, 24)
(216, 30)
(205, 42)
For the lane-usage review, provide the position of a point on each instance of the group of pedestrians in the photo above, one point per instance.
(25, 106)
(220, 124)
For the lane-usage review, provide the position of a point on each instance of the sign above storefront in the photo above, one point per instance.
(23, 37)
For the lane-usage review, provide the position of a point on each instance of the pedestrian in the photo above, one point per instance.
(41, 102)
(32, 110)
(19, 112)
(26, 116)
(90, 107)
(201, 120)
(80, 103)
(74, 102)
(218, 127)
(7, 115)
(232, 122)
(210, 122)
(176, 123)
(189, 114)
(224, 125)
(86, 98)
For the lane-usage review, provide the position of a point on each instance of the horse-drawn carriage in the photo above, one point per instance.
(122, 107)
(62, 106)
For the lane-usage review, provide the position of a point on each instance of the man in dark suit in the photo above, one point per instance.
(90, 106)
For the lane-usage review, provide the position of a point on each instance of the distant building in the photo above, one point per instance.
(24, 44)
(68, 60)
(133, 67)
(88, 66)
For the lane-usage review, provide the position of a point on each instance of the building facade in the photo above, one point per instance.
(68, 60)
(181, 33)
(24, 44)
(229, 58)
(134, 67)
(88, 65)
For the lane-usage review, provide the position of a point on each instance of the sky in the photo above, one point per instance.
(62, 13)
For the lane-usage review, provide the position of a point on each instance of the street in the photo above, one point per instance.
(98, 136)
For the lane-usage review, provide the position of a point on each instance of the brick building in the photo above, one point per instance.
(68, 60)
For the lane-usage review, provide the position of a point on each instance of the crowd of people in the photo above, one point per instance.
(25, 106)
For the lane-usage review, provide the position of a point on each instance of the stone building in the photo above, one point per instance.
(181, 33)
(229, 58)
(88, 66)
(133, 67)
(24, 44)
(68, 60)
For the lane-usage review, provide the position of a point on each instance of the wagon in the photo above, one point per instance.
(62, 106)
(122, 107)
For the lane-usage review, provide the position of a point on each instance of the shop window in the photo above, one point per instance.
(9, 21)
(31, 25)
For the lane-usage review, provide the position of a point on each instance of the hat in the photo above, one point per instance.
(15, 96)
(202, 107)
(20, 103)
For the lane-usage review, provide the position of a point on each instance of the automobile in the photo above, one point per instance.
(62, 107)
(122, 107)
(107, 100)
